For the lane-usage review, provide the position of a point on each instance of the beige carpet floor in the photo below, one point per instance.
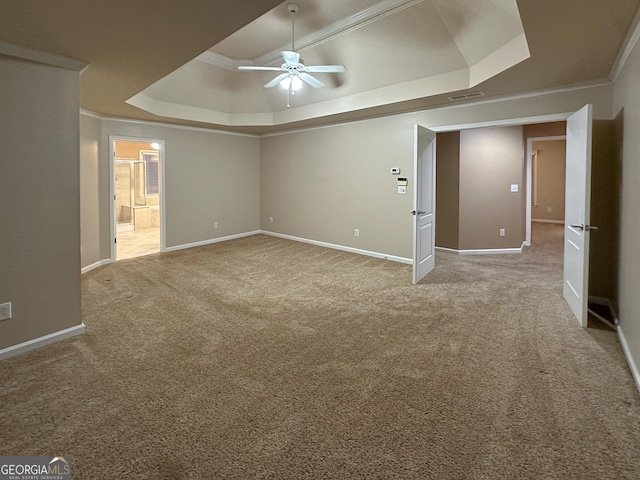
(262, 358)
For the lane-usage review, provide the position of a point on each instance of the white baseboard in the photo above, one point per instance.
(633, 366)
(491, 251)
(446, 249)
(340, 247)
(209, 242)
(542, 220)
(93, 266)
(483, 251)
(29, 345)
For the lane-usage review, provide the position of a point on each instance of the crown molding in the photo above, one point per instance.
(628, 45)
(176, 126)
(372, 14)
(25, 53)
(221, 61)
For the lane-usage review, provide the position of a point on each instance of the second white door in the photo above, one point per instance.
(424, 202)
(577, 213)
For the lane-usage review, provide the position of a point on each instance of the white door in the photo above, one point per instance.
(577, 213)
(424, 202)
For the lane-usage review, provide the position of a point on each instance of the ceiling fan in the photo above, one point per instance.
(294, 71)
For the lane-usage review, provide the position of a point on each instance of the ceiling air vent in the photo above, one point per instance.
(465, 96)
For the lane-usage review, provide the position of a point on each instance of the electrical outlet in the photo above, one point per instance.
(5, 311)
(215, 224)
(502, 232)
(356, 232)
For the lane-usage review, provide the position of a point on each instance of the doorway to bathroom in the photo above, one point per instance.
(136, 196)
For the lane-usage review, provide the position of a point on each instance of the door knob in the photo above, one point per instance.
(413, 212)
(584, 227)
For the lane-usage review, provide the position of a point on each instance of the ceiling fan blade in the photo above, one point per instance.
(314, 82)
(276, 80)
(291, 57)
(325, 68)
(256, 68)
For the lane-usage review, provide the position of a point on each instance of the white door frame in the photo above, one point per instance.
(513, 122)
(529, 180)
(112, 188)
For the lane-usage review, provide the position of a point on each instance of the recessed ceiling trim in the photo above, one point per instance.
(372, 14)
(511, 53)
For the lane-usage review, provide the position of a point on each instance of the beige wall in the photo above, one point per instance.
(551, 166)
(548, 129)
(447, 189)
(323, 184)
(491, 159)
(209, 177)
(39, 199)
(627, 110)
(352, 161)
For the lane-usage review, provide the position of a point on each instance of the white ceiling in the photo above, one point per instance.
(394, 51)
(397, 61)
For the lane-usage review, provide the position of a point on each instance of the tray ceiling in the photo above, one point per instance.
(394, 51)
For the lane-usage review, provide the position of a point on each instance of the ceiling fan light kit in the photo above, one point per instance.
(294, 71)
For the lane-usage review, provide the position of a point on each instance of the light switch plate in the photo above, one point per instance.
(514, 187)
(402, 189)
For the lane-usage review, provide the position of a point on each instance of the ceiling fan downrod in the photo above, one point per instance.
(293, 8)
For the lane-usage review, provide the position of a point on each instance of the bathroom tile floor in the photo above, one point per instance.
(136, 243)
